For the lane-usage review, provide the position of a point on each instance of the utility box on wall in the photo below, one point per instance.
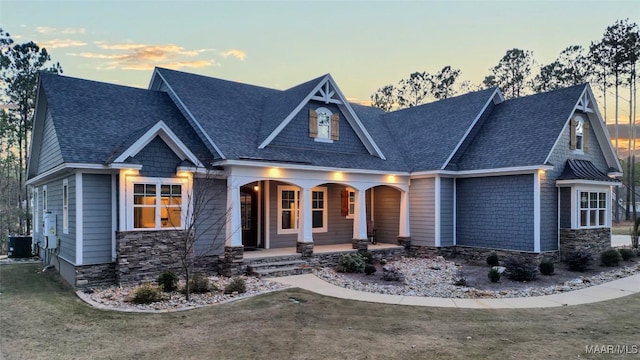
(50, 230)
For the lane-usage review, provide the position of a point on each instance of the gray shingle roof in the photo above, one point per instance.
(428, 134)
(95, 121)
(521, 131)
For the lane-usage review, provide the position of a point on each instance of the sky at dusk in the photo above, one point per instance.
(363, 44)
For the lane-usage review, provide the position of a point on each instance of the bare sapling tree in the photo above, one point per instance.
(203, 228)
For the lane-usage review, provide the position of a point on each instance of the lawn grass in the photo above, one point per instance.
(41, 318)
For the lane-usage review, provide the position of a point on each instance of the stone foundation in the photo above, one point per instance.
(360, 244)
(305, 248)
(143, 255)
(100, 275)
(233, 263)
(331, 259)
(593, 241)
(478, 256)
(404, 241)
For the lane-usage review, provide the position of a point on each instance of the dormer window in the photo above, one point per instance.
(579, 133)
(323, 125)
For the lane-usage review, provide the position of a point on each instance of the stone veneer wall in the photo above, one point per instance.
(99, 275)
(143, 255)
(478, 255)
(592, 240)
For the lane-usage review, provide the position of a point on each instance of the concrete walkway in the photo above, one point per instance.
(611, 290)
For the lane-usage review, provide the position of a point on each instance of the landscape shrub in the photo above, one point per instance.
(237, 285)
(627, 254)
(492, 260)
(351, 263)
(546, 267)
(199, 284)
(578, 260)
(610, 257)
(392, 273)
(367, 256)
(494, 275)
(370, 269)
(520, 270)
(168, 281)
(146, 294)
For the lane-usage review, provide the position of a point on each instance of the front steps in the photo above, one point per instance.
(278, 267)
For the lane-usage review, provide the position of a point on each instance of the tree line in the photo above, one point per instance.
(609, 64)
(19, 68)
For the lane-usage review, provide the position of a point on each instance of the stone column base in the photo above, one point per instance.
(305, 248)
(362, 245)
(233, 263)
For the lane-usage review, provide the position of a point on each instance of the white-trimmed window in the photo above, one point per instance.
(593, 209)
(579, 133)
(323, 125)
(348, 203)
(65, 206)
(156, 203)
(36, 211)
(289, 209)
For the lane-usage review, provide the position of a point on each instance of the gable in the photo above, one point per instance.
(157, 159)
(296, 133)
(327, 91)
(49, 154)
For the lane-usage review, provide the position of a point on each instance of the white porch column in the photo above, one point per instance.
(404, 232)
(305, 223)
(360, 240)
(360, 215)
(233, 230)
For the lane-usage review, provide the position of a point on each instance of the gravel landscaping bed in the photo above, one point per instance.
(437, 277)
(118, 298)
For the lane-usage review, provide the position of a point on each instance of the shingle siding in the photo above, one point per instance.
(495, 212)
(422, 212)
(50, 154)
(97, 224)
(158, 160)
(446, 211)
(296, 133)
(549, 192)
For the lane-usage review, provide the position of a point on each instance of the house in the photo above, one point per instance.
(114, 169)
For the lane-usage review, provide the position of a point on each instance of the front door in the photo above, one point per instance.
(249, 216)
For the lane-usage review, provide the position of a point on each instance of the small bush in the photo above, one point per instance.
(237, 285)
(627, 254)
(494, 275)
(199, 284)
(351, 263)
(168, 281)
(546, 267)
(492, 260)
(391, 273)
(370, 269)
(610, 257)
(146, 294)
(579, 260)
(383, 261)
(520, 270)
(368, 257)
